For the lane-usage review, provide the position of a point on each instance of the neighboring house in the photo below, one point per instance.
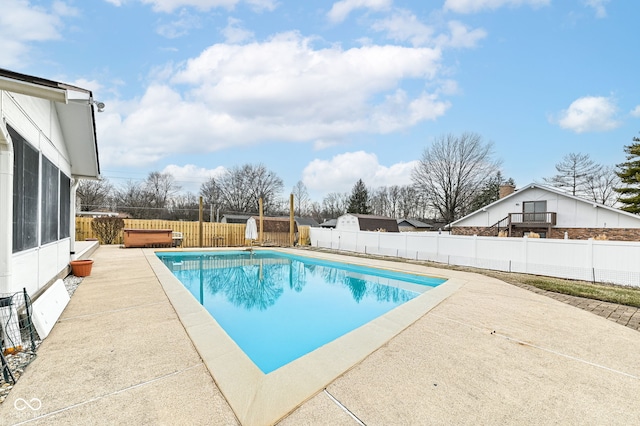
(550, 213)
(306, 221)
(99, 214)
(47, 143)
(331, 223)
(235, 218)
(365, 222)
(412, 225)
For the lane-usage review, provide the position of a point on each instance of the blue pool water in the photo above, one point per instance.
(278, 307)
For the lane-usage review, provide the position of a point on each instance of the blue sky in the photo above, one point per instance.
(329, 92)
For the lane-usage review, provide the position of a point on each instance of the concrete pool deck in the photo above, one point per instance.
(490, 353)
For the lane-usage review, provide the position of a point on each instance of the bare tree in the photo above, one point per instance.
(300, 198)
(160, 188)
(452, 171)
(600, 187)
(135, 200)
(409, 203)
(94, 194)
(335, 204)
(315, 210)
(379, 202)
(184, 207)
(574, 171)
(240, 188)
(267, 185)
(210, 192)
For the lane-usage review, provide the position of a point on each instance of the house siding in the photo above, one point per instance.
(36, 120)
(571, 212)
(613, 234)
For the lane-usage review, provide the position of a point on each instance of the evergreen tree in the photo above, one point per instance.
(359, 199)
(490, 192)
(629, 173)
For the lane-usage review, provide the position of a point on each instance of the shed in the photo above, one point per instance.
(412, 225)
(276, 229)
(365, 222)
(306, 221)
(235, 218)
(331, 223)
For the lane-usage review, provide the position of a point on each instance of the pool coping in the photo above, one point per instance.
(262, 399)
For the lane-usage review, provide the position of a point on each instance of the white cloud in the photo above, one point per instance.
(589, 114)
(92, 85)
(472, 6)
(260, 5)
(460, 36)
(341, 9)
(181, 26)
(405, 26)
(343, 171)
(234, 33)
(636, 111)
(190, 177)
(62, 9)
(598, 6)
(169, 6)
(278, 90)
(22, 24)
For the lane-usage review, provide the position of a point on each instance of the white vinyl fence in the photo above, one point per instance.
(614, 262)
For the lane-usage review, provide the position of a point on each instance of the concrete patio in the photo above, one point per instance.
(491, 353)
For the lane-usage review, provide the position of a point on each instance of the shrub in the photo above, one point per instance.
(107, 228)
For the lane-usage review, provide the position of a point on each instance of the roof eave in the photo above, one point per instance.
(74, 106)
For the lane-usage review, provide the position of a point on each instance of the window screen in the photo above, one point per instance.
(25, 193)
(49, 202)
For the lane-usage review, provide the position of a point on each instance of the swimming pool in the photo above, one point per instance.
(278, 307)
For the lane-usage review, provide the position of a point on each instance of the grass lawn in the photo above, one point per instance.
(622, 295)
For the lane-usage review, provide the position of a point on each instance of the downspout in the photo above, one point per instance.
(6, 213)
(75, 182)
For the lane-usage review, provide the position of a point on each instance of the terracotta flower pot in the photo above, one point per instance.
(81, 268)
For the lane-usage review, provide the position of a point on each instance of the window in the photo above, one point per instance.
(534, 211)
(65, 206)
(25, 193)
(49, 203)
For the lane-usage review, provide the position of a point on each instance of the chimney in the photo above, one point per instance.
(506, 189)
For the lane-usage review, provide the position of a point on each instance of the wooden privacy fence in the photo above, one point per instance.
(214, 234)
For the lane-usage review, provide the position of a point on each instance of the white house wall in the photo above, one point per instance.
(41, 128)
(37, 121)
(571, 213)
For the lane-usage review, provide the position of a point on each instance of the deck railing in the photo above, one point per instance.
(533, 218)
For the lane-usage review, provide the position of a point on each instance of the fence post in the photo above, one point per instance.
(475, 249)
(200, 239)
(590, 258)
(525, 255)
